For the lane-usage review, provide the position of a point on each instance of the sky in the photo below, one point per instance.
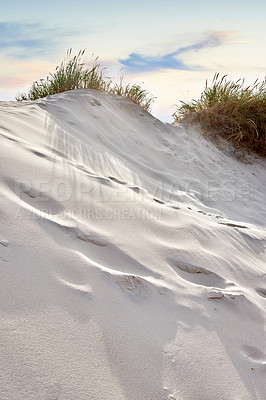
(170, 47)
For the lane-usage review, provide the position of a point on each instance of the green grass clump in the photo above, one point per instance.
(231, 110)
(134, 92)
(73, 74)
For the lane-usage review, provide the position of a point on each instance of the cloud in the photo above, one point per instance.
(23, 41)
(140, 63)
(11, 82)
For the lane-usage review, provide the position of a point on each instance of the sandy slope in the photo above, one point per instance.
(132, 257)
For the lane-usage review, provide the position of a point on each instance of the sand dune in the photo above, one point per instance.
(132, 257)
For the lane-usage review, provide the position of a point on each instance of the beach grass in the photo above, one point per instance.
(134, 92)
(231, 110)
(73, 73)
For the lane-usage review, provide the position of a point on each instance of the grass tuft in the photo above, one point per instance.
(72, 74)
(134, 92)
(231, 110)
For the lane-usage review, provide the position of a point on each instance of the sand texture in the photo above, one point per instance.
(132, 257)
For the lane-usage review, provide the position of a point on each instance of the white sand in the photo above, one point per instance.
(132, 257)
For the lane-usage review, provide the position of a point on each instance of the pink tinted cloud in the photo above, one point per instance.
(10, 82)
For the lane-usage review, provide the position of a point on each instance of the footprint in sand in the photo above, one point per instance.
(134, 286)
(95, 102)
(79, 234)
(261, 292)
(116, 180)
(41, 155)
(233, 225)
(175, 207)
(89, 239)
(221, 289)
(158, 201)
(223, 294)
(254, 354)
(198, 275)
(135, 189)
